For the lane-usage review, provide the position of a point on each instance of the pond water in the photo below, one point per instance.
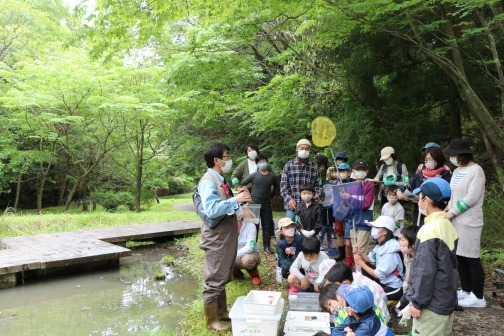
(124, 301)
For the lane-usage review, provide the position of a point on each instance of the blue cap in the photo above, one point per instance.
(358, 297)
(344, 166)
(435, 188)
(341, 155)
(429, 145)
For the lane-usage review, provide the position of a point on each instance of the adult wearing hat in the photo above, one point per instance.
(423, 149)
(392, 171)
(433, 166)
(466, 213)
(297, 172)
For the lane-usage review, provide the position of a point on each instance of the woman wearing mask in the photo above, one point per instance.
(391, 169)
(466, 213)
(247, 167)
(433, 166)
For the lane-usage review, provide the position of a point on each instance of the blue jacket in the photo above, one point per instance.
(369, 325)
(285, 260)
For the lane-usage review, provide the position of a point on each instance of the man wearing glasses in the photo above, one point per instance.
(220, 242)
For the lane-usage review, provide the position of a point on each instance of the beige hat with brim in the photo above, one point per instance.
(285, 222)
(386, 152)
(303, 142)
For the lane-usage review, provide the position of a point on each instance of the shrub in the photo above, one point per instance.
(110, 200)
(147, 198)
(493, 212)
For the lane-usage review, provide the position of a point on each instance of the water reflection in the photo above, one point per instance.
(122, 302)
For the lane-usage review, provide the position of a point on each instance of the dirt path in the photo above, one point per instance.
(480, 322)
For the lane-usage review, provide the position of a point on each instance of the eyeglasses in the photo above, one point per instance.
(225, 156)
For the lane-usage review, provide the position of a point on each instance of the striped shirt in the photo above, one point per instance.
(294, 175)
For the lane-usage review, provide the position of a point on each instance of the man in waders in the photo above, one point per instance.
(220, 242)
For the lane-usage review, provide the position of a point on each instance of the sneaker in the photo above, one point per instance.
(471, 301)
(330, 245)
(293, 290)
(322, 248)
(461, 295)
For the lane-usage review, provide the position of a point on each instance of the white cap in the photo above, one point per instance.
(303, 142)
(384, 222)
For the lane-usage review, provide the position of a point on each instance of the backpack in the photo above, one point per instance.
(398, 169)
(210, 222)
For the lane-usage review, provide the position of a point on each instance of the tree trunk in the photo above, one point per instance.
(40, 192)
(454, 113)
(18, 190)
(85, 200)
(497, 162)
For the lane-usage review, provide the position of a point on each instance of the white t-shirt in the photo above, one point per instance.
(395, 211)
(252, 166)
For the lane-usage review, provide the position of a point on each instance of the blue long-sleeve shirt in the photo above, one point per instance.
(212, 203)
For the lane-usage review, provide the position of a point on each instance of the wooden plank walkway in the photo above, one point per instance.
(56, 250)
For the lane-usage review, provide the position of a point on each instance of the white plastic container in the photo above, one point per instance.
(304, 302)
(250, 324)
(299, 323)
(261, 302)
(251, 213)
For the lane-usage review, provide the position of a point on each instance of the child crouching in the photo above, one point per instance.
(305, 269)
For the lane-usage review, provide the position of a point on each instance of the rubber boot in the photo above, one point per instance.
(342, 253)
(212, 317)
(266, 244)
(222, 307)
(254, 274)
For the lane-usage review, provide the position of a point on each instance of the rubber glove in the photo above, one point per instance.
(405, 315)
(305, 233)
(311, 233)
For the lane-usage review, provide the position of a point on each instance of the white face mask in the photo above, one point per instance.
(375, 233)
(423, 211)
(303, 154)
(388, 161)
(306, 198)
(430, 164)
(252, 155)
(343, 176)
(360, 174)
(289, 232)
(227, 166)
(392, 200)
(455, 161)
(405, 250)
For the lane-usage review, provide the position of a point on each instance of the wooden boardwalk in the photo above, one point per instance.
(66, 249)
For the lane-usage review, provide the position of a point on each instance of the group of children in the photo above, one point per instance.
(413, 267)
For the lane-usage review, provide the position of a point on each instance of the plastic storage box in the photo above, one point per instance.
(251, 213)
(261, 302)
(251, 324)
(304, 302)
(302, 323)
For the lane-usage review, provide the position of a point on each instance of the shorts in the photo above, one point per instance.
(363, 238)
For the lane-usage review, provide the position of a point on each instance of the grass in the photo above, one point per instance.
(194, 322)
(54, 220)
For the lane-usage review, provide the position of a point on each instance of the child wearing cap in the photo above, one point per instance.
(288, 246)
(304, 271)
(394, 209)
(363, 214)
(357, 301)
(433, 276)
(308, 212)
(386, 256)
(341, 274)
